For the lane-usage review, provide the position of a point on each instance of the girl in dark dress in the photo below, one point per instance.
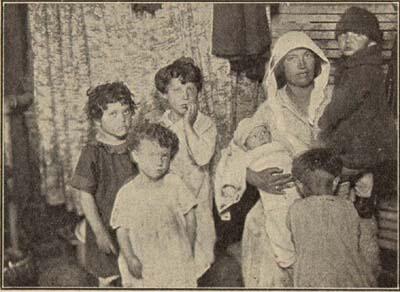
(103, 168)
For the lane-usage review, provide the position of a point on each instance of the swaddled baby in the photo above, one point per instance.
(252, 147)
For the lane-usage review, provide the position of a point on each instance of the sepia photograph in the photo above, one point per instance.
(200, 145)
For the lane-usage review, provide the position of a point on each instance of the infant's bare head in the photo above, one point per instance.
(258, 136)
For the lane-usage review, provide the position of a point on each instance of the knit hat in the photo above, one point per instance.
(360, 21)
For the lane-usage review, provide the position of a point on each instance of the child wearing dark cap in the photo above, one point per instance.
(357, 123)
(326, 229)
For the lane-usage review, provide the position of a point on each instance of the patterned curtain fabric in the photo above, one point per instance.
(76, 46)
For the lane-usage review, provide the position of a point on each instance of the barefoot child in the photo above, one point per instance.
(180, 83)
(103, 167)
(325, 227)
(154, 216)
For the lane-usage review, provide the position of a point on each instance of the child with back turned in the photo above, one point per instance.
(325, 227)
(103, 167)
(154, 216)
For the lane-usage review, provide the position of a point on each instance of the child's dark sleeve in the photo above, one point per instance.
(85, 177)
(354, 89)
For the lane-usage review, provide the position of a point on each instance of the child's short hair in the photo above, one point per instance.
(316, 159)
(183, 68)
(104, 94)
(153, 132)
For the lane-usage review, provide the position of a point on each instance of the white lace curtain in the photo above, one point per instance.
(76, 46)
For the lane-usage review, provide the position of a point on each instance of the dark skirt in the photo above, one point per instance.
(229, 232)
(98, 263)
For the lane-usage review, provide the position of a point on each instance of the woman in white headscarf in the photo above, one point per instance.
(295, 83)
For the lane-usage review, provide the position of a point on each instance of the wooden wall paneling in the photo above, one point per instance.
(323, 8)
(319, 20)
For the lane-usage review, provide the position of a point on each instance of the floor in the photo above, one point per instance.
(63, 270)
(57, 263)
(58, 267)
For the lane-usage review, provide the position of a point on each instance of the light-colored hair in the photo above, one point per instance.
(153, 132)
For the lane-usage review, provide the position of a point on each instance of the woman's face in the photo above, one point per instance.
(299, 67)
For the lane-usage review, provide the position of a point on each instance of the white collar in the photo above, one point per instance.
(106, 138)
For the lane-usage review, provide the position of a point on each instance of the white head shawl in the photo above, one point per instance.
(318, 100)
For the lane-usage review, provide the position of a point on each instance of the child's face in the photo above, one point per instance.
(152, 159)
(116, 119)
(350, 43)
(258, 136)
(180, 95)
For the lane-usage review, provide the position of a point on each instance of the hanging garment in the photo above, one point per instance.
(149, 8)
(241, 34)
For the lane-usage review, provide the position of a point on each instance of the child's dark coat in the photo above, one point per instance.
(357, 122)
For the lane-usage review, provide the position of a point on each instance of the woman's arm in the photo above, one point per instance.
(92, 215)
(270, 180)
(133, 262)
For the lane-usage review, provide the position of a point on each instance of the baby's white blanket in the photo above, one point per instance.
(231, 171)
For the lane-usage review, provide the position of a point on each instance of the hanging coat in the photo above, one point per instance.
(241, 35)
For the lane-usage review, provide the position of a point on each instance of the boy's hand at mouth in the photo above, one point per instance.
(191, 113)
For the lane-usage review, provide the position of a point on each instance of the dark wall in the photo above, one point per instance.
(18, 96)
(15, 48)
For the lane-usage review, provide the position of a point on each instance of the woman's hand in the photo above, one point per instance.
(270, 180)
(135, 267)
